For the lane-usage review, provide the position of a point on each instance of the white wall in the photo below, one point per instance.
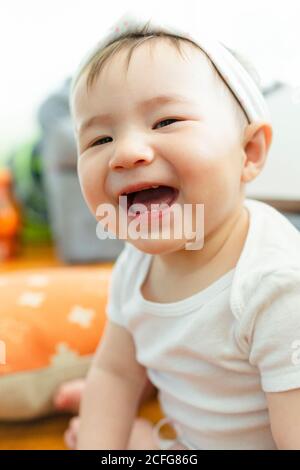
(280, 178)
(41, 42)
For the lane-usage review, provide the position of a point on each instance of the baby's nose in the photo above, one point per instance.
(131, 156)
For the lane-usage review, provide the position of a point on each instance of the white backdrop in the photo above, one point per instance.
(41, 42)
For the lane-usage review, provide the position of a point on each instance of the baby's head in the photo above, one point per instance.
(152, 110)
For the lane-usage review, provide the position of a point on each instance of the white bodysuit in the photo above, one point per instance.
(213, 355)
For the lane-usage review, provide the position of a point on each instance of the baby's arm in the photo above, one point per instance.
(113, 389)
(272, 327)
(284, 411)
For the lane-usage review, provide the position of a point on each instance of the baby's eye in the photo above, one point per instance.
(97, 142)
(169, 121)
(100, 140)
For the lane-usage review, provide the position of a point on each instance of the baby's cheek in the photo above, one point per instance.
(210, 181)
(92, 182)
(222, 196)
(202, 173)
(205, 160)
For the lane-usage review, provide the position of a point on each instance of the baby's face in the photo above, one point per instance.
(191, 143)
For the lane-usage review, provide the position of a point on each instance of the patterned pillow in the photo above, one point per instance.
(51, 321)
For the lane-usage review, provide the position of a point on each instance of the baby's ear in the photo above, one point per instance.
(256, 143)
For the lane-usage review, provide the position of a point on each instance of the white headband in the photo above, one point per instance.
(233, 73)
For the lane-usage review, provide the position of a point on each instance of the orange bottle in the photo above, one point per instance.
(10, 220)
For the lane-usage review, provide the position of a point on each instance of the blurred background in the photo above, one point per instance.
(52, 300)
(41, 44)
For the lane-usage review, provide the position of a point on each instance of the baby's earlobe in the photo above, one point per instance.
(249, 173)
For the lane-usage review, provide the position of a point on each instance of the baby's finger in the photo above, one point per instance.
(68, 395)
(69, 439)
(70, 435)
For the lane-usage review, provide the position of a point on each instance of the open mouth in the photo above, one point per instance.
(151, 198)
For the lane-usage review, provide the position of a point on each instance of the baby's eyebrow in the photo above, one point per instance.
(146, 104)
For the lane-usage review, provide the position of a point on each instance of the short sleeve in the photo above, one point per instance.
(275, 347)
(116, 287)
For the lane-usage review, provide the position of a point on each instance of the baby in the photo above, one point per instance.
(214, 327)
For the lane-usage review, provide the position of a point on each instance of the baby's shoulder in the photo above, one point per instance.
(266, 300)
(265, 292)
(269, 267)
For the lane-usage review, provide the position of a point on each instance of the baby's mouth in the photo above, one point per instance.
(161, 195)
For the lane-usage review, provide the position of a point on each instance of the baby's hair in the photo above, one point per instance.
(131, 40)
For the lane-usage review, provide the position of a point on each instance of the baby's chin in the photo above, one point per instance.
(155, 242)
(158, 247)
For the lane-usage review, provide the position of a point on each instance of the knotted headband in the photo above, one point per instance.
(238, 79)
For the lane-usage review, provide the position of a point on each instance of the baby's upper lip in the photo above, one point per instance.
(139, 186)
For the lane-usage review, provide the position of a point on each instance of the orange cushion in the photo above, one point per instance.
(51, 321)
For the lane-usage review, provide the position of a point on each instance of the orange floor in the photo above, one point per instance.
(46, 433)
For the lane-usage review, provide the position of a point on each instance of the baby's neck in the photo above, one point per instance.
(182, 274)
(221, 250)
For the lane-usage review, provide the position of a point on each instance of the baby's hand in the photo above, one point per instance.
(68, 396)
(70, 435)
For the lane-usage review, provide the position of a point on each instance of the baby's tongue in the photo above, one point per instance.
(160, 195)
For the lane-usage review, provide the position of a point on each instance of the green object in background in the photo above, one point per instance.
(25, 162)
